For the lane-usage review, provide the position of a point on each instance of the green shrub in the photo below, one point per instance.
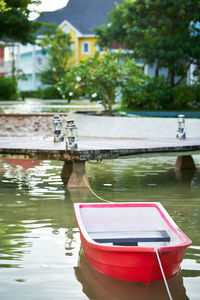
(155, 93)
(30, 94)
(187, 96)
(50, 93)
(8, 89)
(133, 95)
(159, 93)
(184, 96)
(47, 93)
(151, 94)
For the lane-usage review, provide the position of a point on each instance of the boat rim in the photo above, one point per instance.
(184, 240)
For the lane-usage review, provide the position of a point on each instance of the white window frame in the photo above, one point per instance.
(100, 50)
(83, 46)
(71, 46)
(65, 29)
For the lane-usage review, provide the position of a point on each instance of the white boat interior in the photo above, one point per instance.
(128, 226)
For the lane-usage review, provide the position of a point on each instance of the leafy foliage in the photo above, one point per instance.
(49, 92)
(187, 97)
(3, 6)
(153, 93)
(58, 49)
(8, 89)
(14, 21)
(161, 32)
(156, 94)
(98, 78)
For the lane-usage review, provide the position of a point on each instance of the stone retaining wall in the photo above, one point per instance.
(28, 124)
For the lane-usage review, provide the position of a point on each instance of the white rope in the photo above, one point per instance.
(163, 274)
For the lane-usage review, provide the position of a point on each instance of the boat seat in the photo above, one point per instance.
(130, 238)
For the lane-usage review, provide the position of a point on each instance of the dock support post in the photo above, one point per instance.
(185, 162)
(74, 175)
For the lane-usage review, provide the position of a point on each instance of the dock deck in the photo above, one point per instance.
(73, 173)
(94, 149)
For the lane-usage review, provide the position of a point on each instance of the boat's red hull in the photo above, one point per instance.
(134, 263)
(97, 285)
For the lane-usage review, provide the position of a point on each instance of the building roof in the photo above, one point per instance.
(84, 15)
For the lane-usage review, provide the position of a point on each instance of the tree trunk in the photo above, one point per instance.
(184, 75)
(157, 70)
(108, 101)
(171, 78)
(110, 107)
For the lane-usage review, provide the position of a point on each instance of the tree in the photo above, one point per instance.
(161, 32)
(99, 78)
(59, 52)
(14, 21)
(3, 6)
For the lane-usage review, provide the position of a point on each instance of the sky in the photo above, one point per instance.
(49, 5)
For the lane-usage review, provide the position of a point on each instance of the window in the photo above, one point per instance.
(66, 29)
(100, 49)
(85, 47)
(39, 60)
(71, 46)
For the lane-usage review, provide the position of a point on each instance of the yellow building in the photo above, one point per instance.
(79, 18)
(83, 47)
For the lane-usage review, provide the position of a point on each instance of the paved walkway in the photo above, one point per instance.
(132, 127)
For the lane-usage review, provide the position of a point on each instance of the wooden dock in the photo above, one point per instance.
(73, 173)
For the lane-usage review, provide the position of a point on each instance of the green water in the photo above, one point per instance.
(40, 255)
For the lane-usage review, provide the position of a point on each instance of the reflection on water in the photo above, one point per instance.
(46, 106)
(98, 286)
(39, 245)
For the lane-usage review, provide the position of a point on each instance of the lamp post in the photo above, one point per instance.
(57, 124)
(181, 134)
(71, 135)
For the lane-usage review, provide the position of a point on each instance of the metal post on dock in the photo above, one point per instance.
(57, 123)
(71, 135)
(181, 134)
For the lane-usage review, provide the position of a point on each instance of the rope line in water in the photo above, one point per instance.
(94, 192)
(163, 274)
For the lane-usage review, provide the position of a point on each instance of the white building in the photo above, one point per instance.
(31, 61)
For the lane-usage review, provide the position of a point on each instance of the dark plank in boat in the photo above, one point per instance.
(127, 238)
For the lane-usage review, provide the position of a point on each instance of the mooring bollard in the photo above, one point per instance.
(71, 135)
(57, 123)
(181, 134)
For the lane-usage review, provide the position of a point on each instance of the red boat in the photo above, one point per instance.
(127, 240)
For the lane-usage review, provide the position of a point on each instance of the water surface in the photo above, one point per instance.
(47, 106)
(40, 252)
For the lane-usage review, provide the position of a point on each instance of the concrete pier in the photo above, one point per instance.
(185, 162)
(74, 175)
